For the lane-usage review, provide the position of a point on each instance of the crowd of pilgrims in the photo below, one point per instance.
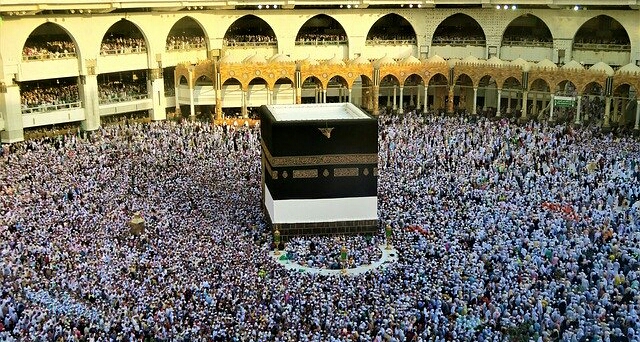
(503, 232)
(324, 251)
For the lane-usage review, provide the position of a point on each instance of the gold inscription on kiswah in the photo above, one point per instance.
(325, 159)
(345, 172)
(274, 174)
(309, 173)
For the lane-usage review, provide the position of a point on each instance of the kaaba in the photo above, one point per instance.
(319, 169)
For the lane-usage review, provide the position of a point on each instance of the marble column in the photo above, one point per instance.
(474, 111)
(499, 102)
(578, 109)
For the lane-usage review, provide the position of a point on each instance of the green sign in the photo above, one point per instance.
(564, 101)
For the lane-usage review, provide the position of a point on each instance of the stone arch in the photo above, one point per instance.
(566, 87)
(187, 27)
(464, 80)
(203, 80)
(388, 78)
(315, 27)
(46, 29)
(281, 80)
(183, 80)
(438, 79)
(109, 44)
(337, 78)
(250, 29)
(259, 80)
(448, 30)
(512, 83)
(516, 28)
(233, 81)
(540, 84)
(391, 21)
(413, 77)
(594, 31)
(313, 79)
(593, 88)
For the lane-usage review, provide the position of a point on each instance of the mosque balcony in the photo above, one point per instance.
(133, 103)
(52, 114)
(191, 55)
(46, 67)
(111, 61)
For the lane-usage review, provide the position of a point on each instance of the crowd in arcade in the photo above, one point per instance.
(115, 45)
(503, 232)
(36, 49)
(320, 38)
(185, 42)
(48, 95)
(118, 91)
(248, 39)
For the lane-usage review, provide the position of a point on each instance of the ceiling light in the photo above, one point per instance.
(419, 5)
(267, 7)
(348, 6)
(576, 7)
(506, 7)
(410, 5)
(497, 6)
(259, 6)
(513, 7)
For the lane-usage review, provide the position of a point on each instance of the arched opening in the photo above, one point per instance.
(389, 91)
(312, 90)
(438, 92)
(527, 30)
(168, 76)
(48, 41)
(413, 92)
(511, 93)
(391, 29)
(123, 37)
(122, 86)
(204, 96)
(250, 30)
(362, 92)
(184, 81)
(564, 106)
(602, 33)
(49, 95)
(258, 93)
(459, 30)
(592, 103)
(463, 95)
(186, 34)
(284, 91)
(487, 96)
(540, 96)
(232, 98)
(204, 81)
(321, 30)
(623, 105)
(337, 90)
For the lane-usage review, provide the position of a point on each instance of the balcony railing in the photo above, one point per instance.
(527, 43)
(250, 44)
(126, 98)
(322, 42)
(186, 46)
(390, 42)
(601, 47)
(51, 107)
(459, 42)
(49, 56)
(123, 51)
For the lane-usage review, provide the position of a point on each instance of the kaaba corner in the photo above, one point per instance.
(319, 169)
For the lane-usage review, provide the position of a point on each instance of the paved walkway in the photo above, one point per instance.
(388, 256)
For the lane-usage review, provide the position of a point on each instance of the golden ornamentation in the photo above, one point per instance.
(285, 174)
(365, 171)
(345, 172)
(325, 173)
(308, 173)
(325, 159)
